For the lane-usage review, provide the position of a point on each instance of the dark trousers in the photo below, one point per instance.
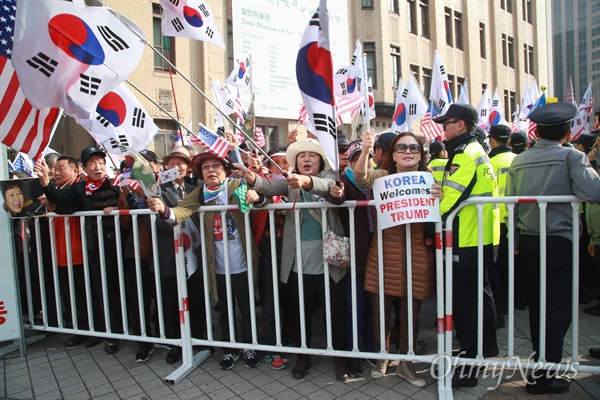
(171, 302)
(364, 315)
(80, 297)
(112, 284)
(131, 293)
(314, 296)
(498, 274)
(265, 288)
(559, 270)
(241, 295)
(464, 298)
(402, 324)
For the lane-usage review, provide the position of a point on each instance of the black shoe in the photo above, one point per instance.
(520, 305)
(341, 369)
(547, 387)
(593, 310)
(174, 355)
(301, 368)
(144, 352)
(75, 341)
(465, 381)
(595, 352)
(92, 342)
(354, 368)
(111, 347)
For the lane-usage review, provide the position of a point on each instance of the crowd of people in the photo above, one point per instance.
(462, 168)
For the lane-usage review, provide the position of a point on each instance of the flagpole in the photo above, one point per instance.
(61, 112)
(367, 106)
(212, 104)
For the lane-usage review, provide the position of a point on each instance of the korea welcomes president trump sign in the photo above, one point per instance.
(405, 198)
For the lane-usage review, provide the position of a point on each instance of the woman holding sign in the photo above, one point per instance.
(404, 155)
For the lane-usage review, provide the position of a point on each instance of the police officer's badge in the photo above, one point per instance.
(453, 168)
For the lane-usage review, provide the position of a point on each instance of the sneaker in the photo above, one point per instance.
(75, 341)
(406, 370)
(250, 358)
(111, 347)
(379, 369)
(144, 353)
(275, 361)
(228, 360)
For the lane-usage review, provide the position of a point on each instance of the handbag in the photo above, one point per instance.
(336, 249)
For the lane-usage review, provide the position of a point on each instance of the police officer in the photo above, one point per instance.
(501, 157)
(549, 169)
(469, 173)
(439, 158)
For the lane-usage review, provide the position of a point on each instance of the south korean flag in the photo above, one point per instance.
(192, 19)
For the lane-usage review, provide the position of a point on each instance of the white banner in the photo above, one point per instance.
(271, 31)
(405, 198)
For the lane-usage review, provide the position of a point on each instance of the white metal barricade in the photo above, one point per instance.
(512, 360)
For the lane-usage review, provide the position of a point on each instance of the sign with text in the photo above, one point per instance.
(405, 198)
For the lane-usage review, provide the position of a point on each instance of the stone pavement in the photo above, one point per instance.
(49, 371)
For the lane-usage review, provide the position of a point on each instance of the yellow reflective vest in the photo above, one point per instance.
(501, 159)
(469, 173)
(438, 165)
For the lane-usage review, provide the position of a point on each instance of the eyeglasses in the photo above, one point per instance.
(413, 148)
(446, 123)
(215, 166)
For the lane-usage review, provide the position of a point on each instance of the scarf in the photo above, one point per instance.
(91, 186)
(350, 175)
(212, 192)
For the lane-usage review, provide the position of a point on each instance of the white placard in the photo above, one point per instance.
(271, 30)
(405, 198)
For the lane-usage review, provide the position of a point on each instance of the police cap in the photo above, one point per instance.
(501, 132)
(553, 114)
(463, 112)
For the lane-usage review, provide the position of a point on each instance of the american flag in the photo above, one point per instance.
(124, 179)
(22, 127)
(212, 142)
(431, 129)
(515, 124)
(344, 108)
(303, 115)
(259, 137)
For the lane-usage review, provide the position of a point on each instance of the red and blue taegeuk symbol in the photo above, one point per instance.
(351, 85)
(314, 72)
(371, 100)
(241, 70)
(73, 36)
(400, 114)
(113, 108)
(494, 118)
(192, 16)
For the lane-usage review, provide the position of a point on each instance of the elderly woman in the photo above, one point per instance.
(310, 183)
(404, 155)
(218, 190)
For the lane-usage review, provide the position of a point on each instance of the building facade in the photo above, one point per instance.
(498, 43)
(576, 43)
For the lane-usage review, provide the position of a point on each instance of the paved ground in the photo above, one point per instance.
(49, 371)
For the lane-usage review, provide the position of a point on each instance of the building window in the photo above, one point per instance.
(394, 6)
(426, 82)
(367, 4)
(527, 11)
(448, 20)
(458, 40)
(165, 138)
(424, 14)
(164, 44)
(528, 58)
(412, 16)
(508, 51)
(452, 85)
(396, 65)
(482, 44)
(272, 136)
(510, 104)
(506, 5)
(369, 49)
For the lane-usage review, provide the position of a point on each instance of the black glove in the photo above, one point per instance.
(134, 202)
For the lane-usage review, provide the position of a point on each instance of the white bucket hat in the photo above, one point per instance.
(300, 146)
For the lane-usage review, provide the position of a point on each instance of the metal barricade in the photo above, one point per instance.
(512, 360)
